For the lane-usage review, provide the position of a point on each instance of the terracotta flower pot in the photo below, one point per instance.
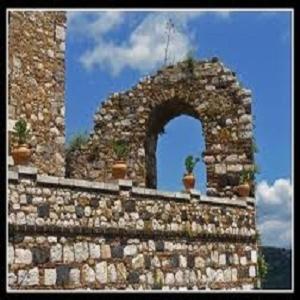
(189, 181)
(243, 190)
(119, 169)
(21, 154)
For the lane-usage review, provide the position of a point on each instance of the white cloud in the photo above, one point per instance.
(274, 212)
(279, 193)
(94, 25)
(144, 49)
(276, 233)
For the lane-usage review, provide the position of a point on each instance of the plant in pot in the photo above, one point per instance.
(21, 152)
(119, 167)
(189, 178)
(243, 189)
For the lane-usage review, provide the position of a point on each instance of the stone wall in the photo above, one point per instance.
(205, 90)
(77, 234)
(36, 47)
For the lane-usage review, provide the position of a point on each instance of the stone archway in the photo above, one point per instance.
(208, 91)
(158, 118)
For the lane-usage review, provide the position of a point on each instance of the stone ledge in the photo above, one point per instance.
(194, 195)
(225, 201)
(125, 183)
(77, 183)
(156, 193)
(129, 233)
(10, 161)
(25, 170)
(13, 175)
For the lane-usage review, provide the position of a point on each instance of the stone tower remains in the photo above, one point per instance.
(36, 71)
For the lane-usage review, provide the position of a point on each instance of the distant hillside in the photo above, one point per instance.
(279, 268)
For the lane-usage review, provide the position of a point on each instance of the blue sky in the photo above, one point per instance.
(109, 52)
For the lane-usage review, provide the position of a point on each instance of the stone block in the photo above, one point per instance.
(129, 206)
(40, 255)
(159, 245)
(252, 271)
(121, 272)
(13, 175)
(105, 251)
(56, 253)
(112, 273)
(11, 255)
(133, 277)
(169, 279)
(117, 251)
(253, 256)
(50, 276)
(138, 262)
(94, 250)
(81, 251)
(23, 256)
(74, 276)
(68, 254)
(220, 168)
(199, 262)
(28, 277)
(88, 274)
(182, 261)
(101, 272)
(12, 279)
(43, 210)
(130, 250)
(62, 275)
(174, 261)
(79, 211)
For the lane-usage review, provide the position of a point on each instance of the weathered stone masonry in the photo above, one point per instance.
(76, 234)
(36, 47)
(207, 91)
(96, 233)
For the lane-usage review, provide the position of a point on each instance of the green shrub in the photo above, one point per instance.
(190, 163)
(120, 149)
(77, 141)
(20, 131)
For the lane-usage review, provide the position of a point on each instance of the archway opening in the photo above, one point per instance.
(182, 137)
(174, 132)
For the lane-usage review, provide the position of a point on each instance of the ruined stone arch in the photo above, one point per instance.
(161, 115)
(207, 91)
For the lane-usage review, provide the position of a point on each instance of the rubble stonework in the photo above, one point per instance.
(36, 50)
(91, 232)
(126, 238)
(209, 92)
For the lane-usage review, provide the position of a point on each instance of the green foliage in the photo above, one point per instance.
(279, 268)
(254, 147)
(120, 149)
(262, 266)
(190, 61)
(249, 175)
(77, 141)
(246, 176)
(190, 163)
(21, 132)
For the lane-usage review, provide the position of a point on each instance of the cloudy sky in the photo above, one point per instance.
(109, 51)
